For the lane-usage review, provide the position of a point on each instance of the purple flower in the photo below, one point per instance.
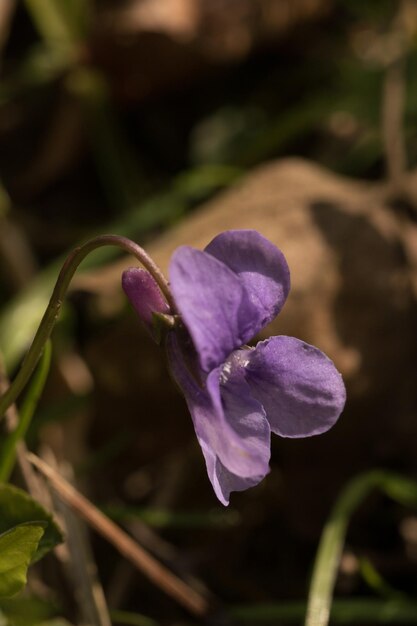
(237, 394)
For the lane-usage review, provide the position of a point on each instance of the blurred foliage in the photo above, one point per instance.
(29, 611)
(158, 518)
(355, 611)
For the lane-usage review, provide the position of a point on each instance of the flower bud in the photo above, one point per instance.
(145, 295)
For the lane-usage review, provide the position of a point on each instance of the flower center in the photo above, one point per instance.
(237, 360)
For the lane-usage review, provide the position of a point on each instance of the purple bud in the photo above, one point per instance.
(144, 293)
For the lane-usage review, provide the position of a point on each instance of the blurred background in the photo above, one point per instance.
(168, 121)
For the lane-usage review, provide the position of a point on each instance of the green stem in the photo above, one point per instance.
(8, 451)
(55, 304)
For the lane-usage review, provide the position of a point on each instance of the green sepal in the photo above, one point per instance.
(162, 323)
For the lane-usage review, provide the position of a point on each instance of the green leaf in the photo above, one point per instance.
(17, 549)
(17, 507)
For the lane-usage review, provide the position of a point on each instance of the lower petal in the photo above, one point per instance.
(228, 421)
(299, 387)
(249, 450)
(223, 481)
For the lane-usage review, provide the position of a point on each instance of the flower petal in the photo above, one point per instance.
(144, 293)
(259, 264)
(228, 421)
(223, 481)
(299, 387)
(213, 303)
(247, 419)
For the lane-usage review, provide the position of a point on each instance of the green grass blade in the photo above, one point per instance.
(377, 583)
(332, 540)
(30, 402)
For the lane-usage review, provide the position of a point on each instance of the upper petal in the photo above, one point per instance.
(228, 421)
(259, 264)
(299, 387)
(213, 303)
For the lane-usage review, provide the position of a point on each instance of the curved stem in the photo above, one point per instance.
(55, 304)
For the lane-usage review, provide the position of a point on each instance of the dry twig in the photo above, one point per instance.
(79, 563)
(155, 571)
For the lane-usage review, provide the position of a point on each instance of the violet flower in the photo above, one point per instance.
(238, 394)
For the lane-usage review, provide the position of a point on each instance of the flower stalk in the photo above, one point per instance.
(55, 304)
